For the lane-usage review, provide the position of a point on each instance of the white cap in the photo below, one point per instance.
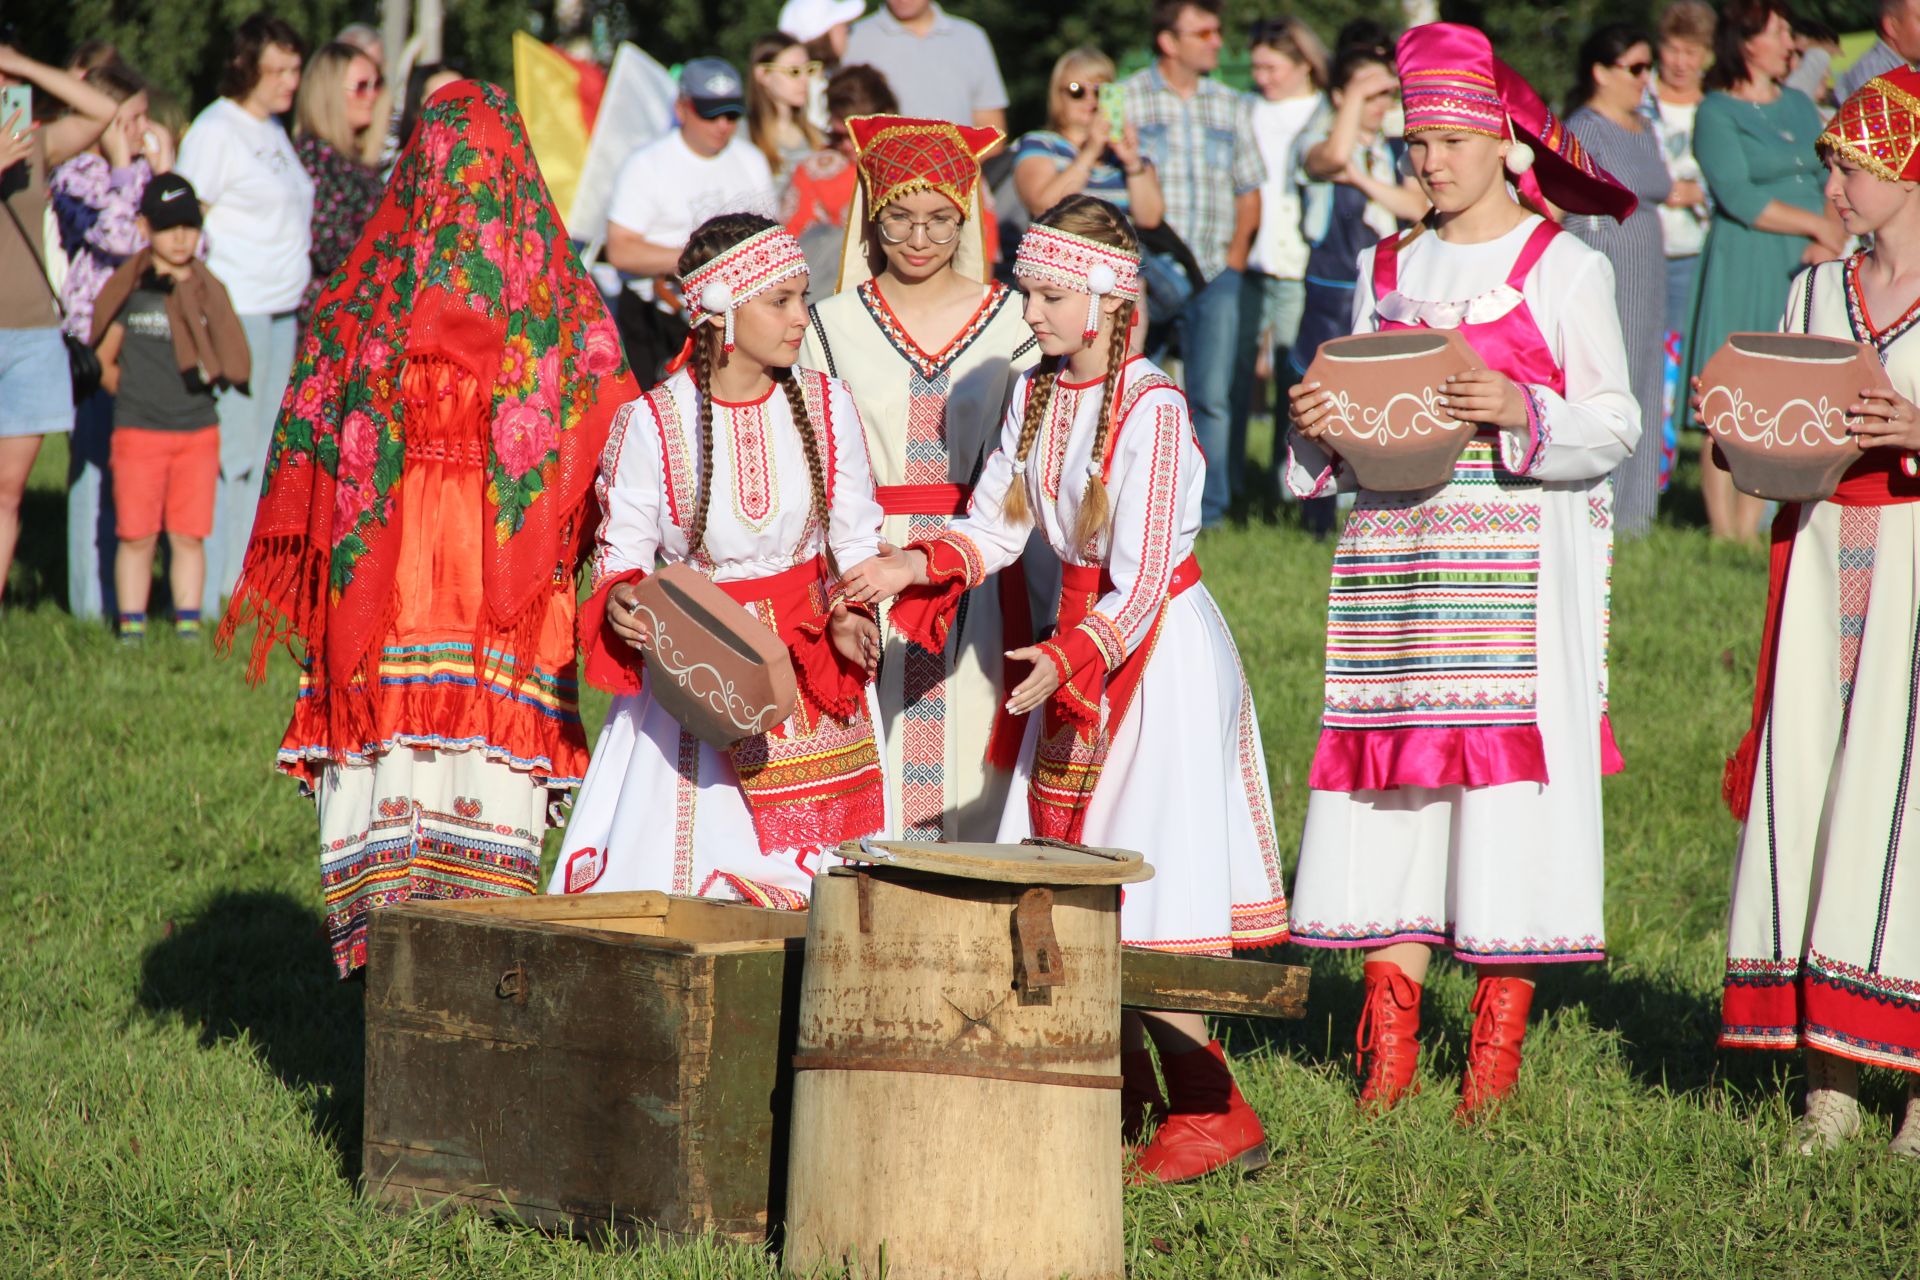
(806, 20)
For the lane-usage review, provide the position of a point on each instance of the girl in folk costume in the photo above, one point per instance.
(1141, 729)
(1456, 786)
(931, 352)
(1823, 948)
(429, 491)
(755, 474)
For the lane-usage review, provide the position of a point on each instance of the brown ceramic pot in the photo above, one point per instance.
(1776, 405)
(1385, 422)
(715, 667)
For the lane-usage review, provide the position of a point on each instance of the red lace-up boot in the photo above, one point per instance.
(1141, 1101)
(1389, 1031)
(1493, 1057)
(1210, 1125)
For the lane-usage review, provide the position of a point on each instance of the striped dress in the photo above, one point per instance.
(1637, 253)
(1499, 710)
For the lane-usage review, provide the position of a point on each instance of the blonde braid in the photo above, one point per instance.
(1039, 399)
(703, 385)
(816, 471)
(1096, 509)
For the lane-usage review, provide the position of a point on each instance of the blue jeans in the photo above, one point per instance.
(1208, 331)
(246, 429)
(90, 538)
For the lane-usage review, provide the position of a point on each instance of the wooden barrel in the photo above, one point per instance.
(956, 1101)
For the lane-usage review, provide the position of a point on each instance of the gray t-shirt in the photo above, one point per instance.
(154, 394)
(947, 74)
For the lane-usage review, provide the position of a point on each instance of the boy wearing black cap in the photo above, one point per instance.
(167, 335)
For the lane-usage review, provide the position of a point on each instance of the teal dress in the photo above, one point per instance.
(1749, 155)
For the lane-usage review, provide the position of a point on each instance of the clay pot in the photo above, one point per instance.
(715, 667)
(1385, 422)
(1776, 405)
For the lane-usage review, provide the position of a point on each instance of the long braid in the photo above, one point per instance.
(816, 469)
(1039, 400)
(1096, 508)
(702, 366)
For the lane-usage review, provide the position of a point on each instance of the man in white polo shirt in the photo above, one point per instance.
(666, 189)
(939, 66)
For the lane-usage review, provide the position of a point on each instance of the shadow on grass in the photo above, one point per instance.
(257, 965)
(1666, 1032)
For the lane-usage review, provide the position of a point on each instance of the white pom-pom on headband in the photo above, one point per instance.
(1081, 265)
(725, 283)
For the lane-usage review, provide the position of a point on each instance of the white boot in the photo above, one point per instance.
(1833, 1105)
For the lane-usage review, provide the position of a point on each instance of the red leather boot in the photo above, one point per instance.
(1210, 1125)
(1141, 1101)
(1493, 1056)
(1389, 1031)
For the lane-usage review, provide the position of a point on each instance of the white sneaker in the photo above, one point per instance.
(1831, 1118)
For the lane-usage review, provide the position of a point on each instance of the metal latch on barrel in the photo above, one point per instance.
(1037, 964)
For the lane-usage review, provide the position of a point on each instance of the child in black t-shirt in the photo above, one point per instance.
(167, 335)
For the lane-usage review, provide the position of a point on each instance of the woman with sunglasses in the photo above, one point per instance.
(1078, 154)
(931, 350)
(1604, 112)
(332, 114)
(778, 93)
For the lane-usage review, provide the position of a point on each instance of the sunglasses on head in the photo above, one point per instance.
(1078, 89)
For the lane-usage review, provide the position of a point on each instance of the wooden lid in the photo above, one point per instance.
(1030, 862)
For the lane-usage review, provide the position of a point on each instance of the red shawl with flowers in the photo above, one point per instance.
(465, 259)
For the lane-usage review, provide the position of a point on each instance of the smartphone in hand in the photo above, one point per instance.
(17, 99)
(1113, 100)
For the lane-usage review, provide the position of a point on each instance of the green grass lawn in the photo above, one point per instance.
(180, 1074)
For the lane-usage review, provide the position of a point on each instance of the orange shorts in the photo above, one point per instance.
(164, 480)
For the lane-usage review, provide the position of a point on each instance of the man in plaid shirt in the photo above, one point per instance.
(1198, 133)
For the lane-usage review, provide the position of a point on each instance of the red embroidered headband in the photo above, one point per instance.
(1081, 265)
(722, 285)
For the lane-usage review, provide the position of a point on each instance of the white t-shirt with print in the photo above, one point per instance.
(666, 189)
(1278, 248)
(1684, 231)
(259, 222)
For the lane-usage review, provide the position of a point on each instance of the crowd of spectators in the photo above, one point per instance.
(1253, 207)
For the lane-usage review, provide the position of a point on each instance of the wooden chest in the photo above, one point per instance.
(618, 1062)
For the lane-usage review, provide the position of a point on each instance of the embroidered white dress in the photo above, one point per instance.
(931, 420)
(659, 809)
(1823, 940)
(1509, 872)
(1184, 778)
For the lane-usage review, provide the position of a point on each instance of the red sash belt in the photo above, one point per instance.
(1073, 743)
(1871, 482)
(923, 499)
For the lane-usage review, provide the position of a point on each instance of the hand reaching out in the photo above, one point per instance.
(884, 576)
(1039, 685)
(854, 637)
